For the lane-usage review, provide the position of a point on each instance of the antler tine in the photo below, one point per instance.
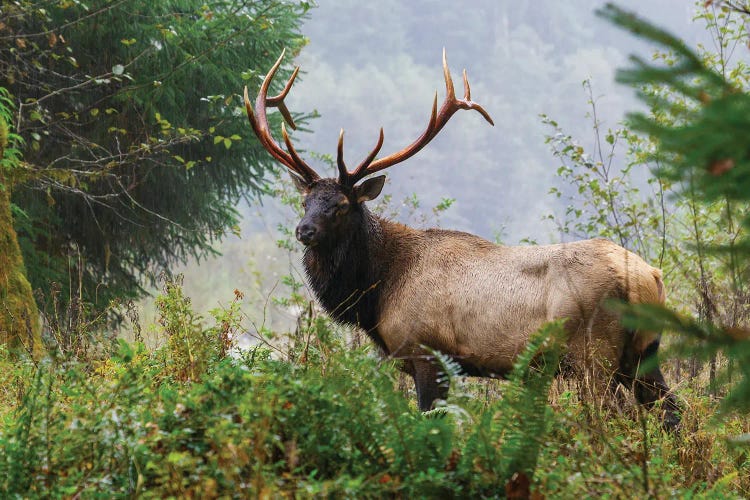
(261, 133)
(373, 153)
(292, 151)
(472, 105)
(278, 100)
(259, 123)
(467, 88)
(450, 92)
(350, 178)
(343, 171)
(438, 119)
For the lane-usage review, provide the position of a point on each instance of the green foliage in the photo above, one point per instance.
(133, 121)
(190, 347)
(708, 147)
(186, 419)
(319, 420)
(603, 199)
(616, 457)
(511, 432)
(10, 142)
(704, 148)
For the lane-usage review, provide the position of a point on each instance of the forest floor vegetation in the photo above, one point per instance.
(313, 416)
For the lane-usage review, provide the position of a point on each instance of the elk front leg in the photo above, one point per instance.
(426, 379)
(650, 387)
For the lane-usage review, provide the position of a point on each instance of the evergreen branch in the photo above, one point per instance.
(66, 25)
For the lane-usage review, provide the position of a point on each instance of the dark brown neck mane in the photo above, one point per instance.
(346, 274)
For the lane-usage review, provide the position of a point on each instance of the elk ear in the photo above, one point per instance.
(370, 189)
(300, 184)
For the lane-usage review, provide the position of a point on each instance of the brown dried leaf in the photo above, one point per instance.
(453, 459)
(519, 486)
(738, 333)
(720, 167)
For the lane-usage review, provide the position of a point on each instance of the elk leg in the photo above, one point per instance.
(426, 374)
(650, 386)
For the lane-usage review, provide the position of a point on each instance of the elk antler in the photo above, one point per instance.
(436, 123)
(259, 123)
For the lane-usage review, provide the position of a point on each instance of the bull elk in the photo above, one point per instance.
(417, 291)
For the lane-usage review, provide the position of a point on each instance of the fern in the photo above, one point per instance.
(508, 437)
(450, 375)
(525, 420)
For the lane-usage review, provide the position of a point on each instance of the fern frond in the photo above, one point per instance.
(508, 438)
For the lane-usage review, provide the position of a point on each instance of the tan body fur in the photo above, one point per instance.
(479, 302)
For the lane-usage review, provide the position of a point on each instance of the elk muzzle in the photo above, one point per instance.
(307, 233)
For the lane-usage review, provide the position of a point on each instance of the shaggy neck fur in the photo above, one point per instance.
(345, 274)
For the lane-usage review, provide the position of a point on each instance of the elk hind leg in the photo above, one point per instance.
(649, 386)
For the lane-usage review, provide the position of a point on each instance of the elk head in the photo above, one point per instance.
(334, 206)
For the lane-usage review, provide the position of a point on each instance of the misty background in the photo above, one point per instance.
(373, 64)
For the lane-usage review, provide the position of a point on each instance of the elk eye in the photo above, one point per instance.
(342, 207)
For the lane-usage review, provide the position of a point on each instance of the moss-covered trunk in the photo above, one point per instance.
(19, 316)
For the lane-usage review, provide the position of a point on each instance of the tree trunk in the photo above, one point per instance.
(19, 316)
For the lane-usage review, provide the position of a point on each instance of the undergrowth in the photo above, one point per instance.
(199, 418)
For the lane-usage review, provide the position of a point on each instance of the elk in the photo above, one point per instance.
(418, 291)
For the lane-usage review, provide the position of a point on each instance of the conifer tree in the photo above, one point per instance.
(136, 140)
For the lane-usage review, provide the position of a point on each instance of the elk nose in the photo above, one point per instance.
(306, 233)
